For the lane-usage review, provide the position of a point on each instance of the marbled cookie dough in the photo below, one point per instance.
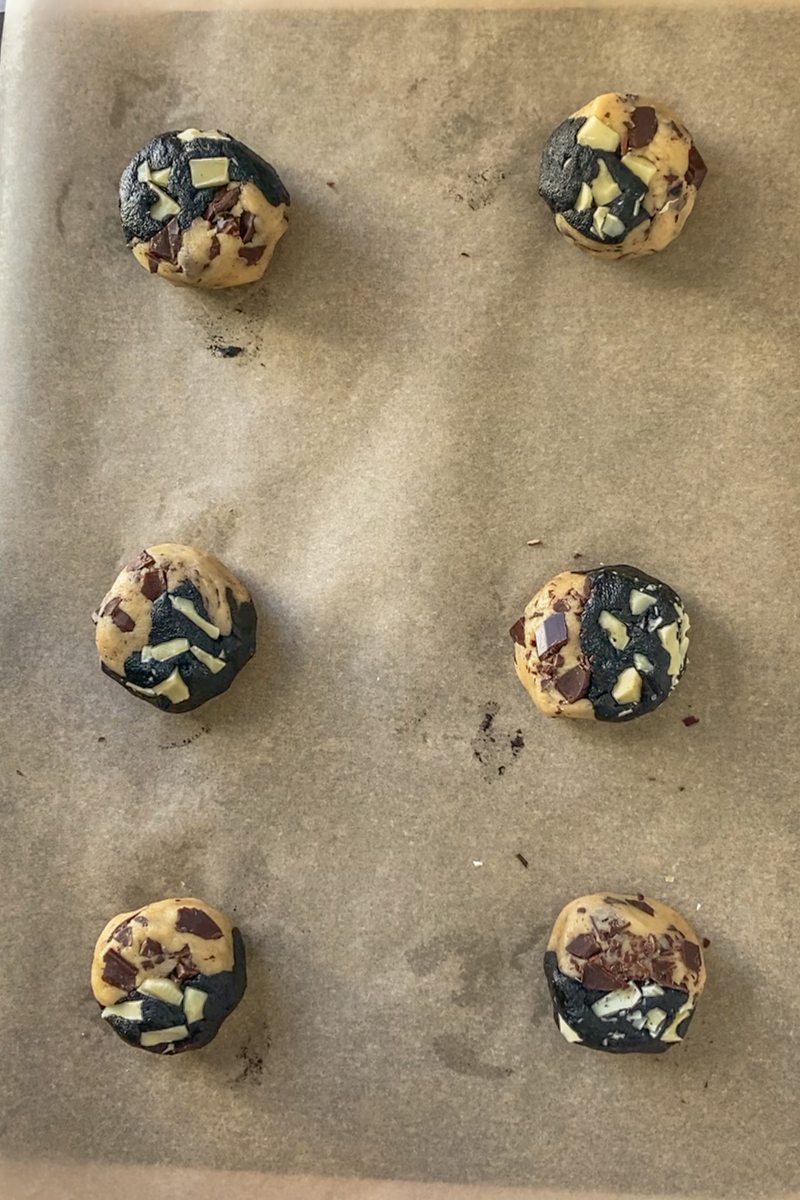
(621, 175)
(167, 975)
(176, 627)
(609, 644)
(200, 208)
(625, 973)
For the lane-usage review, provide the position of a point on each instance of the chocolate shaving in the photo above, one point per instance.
(228, 225)
(251, 254)
(662, 971)
(223, 202)
(517, 632)
(597, 978)
(643, 906)
(214, 248)
(151, 947)
(574, 684)
(198, 922)
(583, 946)
(111, 606)
(142, 560)
(154, 584)
(522, 859)
(118, 971)
(697, 169)
(644, 124)
(247, 226)
(690, 953)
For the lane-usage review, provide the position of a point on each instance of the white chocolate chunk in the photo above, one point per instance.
(567, 1031)
(636, 1019)
(652, 989)
(670, 1034)
(161, 177)
(194, 1002)
(209, 172)
(598, 220)
(143, 172)
(612, 226)
(643, 664)
(173, 688)
(653, 623)
(162, 989)
(639, 602)
(654, 1021)
(156, 1037)
(190, 135)
(188, 609)
(604, 187)
(640, 166)
(628, 688)
(598, 136)
(584, 200)
(129, 1010)
(164, 206)
(668, 636)
(211, 661)
(637, 204)
(617, 633)
(616, 1002)
(165, 650)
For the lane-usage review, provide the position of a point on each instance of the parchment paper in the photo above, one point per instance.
(429, 378)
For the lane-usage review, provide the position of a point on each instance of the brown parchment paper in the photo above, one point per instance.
(429, 378)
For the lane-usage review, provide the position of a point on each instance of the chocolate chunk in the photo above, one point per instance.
(223, 202)
(598, 979)
(185, 969)
(251, 254)
(247, 226)
(583, 946)
(153, 584)
(574, 684)
(643, 905)
(689, 721)
(697, 169)
(118, 971)
(150, 947)
(662, 970)
(228, 225)
(175, 236)
(194, 920)
(551, 635)
(517, 631)
(152, 263)
(140, 919)
(560, 606)
(214, 249)
(690, 953)
(111, 606)
(141, 561)
(167, 242)
(122, 620)
(123, 934)
(644, 124)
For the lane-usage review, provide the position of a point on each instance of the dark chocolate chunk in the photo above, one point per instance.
(583, 946)
(167, 242)
(123, 934)
(517, 632)
(690, 953)
(141, 561)
(122, 620)
(574, 684)
(153, 584)
(662, 969)
(551, 635)
(151, 947)
(251, 254)
(644, 124)
(175, 236)
(215, 248)
(140, 919)
(118, 971)
(185, 969)
(643, 905)
(247, 226)
(152, 263)
(198, 922)
(223, 202)
(228, 225)
(697, 169)
(596, 977)
(111, 606)
(689, 721)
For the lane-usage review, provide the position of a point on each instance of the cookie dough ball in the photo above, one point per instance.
(176, 627)
(167, 975)
(200, 208)
(625, 973)
(609, 644)
(622, 175)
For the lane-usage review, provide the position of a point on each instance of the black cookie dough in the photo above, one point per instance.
(622, 175)
(167, 975)
(175, 628)
(624, 972)
(200, 208)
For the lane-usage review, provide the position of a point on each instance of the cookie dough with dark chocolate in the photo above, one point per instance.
(621, 175)
(201, 209)
(625, 973)
(167, 975)
(176, 627)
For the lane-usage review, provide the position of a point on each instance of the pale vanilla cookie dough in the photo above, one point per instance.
(625, 973)
(168, 974)
(621, 175)
(608, 644)
(176, 627)
(200, 208)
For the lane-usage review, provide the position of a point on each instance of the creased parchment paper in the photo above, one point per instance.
(430, 377)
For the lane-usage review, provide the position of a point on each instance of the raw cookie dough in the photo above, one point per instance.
(200, 208)
(167, 975)
(176, 627)
(622, 175)
(609, 644)
(625, 973)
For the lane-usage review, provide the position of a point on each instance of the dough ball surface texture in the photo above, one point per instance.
(621, 175)
(175, 628)
(625, 973)
(167, 975)
(199, 208)
(608, 644)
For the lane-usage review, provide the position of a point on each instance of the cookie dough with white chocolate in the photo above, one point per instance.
(176, 627)
(621, 175)
(625, 973)
(201, 209)
(167, 975)
(608, 644)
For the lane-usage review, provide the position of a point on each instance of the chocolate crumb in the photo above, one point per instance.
(465, 255)
(142, 560)
(20, 773)
(691, 720)
(577, 554)
(706, 943)
(330, 183)
(226, 351)
(522, 859)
